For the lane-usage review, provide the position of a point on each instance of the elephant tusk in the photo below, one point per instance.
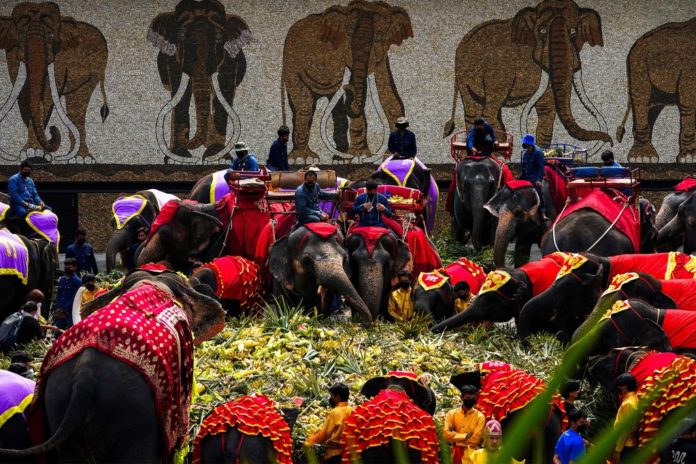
(374, 94)
(166, 109)
(234, 117)
(327, 112)
(579, 87)
(63, 117)
(11, 100)
(524, 117)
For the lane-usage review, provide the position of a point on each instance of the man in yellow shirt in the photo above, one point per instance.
(626, 444)
(330, 433)
(400, 305)
(463, 428)
(462, 297)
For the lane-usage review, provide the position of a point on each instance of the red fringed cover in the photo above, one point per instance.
(388, 415)
(370, 235)
(609, 204)
(166, 214)
(423, 254)
(680, 327)
(557, 186)
(237, 279)
(146, 329)
(543, 272)
(322, 229)
(468, 271)
(251, 415)
(250, 214)
(672, 265)
(518, 184)
(270, 233)
(682, 291)
(686, 185)
(674, 383)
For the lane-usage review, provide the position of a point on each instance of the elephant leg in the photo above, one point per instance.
(340, 125)
(687, 115)
(472, 107)
(358, 137)
(492, 109)
(216, 135)
(640, 94)
(76, 109)
(181, 123)
(303, 106)
(32, 142)
(546, 117)
(388, 96)
(523, 250)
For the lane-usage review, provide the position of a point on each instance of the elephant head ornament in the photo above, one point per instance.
(201, 54)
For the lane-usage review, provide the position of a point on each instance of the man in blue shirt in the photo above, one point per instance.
(608, 159)
(244, 161)
(68, 285)
(22, 191)
(402, 142)
(481, 139)
(307, 198)
(83, 253)
(371, 206)
(532, 166)
(570, 447)
(278, 155)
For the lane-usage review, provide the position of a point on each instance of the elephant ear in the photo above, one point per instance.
(8, 33)
(279, 263)
(523, 26)
(589, 29)
(333, 26)
(400, 27)
(162, 33)
(238, 35)
(69, 35)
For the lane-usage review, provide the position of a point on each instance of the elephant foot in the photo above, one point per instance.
(338, 159)
(687, 155)
(643, 153)
(36, 156)
(303, 153)
(212, 150)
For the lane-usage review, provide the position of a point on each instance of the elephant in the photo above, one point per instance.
(506, 290)
(376, 256)
(661, 75)
(496, 379)
(311, 264)
(338, 54)
(540, 51)
(100, 389)
(42, 261)
(256, 413)
(679, 210)
(200, 53)
(56, 57)
(578, 286)
(234, 280)
(131, 213)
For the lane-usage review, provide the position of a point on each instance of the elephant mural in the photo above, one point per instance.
(50, 57)
(539, 49)
(200, 53)
(676, 220)
(376, 256)
(312, 264)
(660, 68)
(340, 54)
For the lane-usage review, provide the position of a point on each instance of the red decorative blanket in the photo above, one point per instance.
(680, 327)
(370, 235)
(543, 272)
(250, 213)
(682, 291)
(271, 232)
(672, 379)
(146, 329)
(389, 415)
(672, 265)
(251, 415)
(518, 184)
(424, 256)
(686, 185)
(237, 279)
(461, 270)
(610, 204)
(166, 214)
(557, 186)
(322, 229)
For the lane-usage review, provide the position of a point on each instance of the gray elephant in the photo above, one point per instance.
(131, 213)
(311, 264)
(376, 257)
(676, 220)
(116, 386)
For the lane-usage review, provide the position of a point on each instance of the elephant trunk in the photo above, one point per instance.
(503, 236)
(672, 230)
(332, 276)
(152, 251)
(604, 303)
(201, 86)
(371, 285)
(361, 48)
(37, 65)
(561, 64)
(118, 244)
(477, 199)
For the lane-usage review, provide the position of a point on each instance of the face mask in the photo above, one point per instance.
(469, 403)
(332, 402)
(582, 428)
(404, 284)
(81, 241)
(69, 271)
(29, 374)
(25, 174)
(309, 185)
(90, 287)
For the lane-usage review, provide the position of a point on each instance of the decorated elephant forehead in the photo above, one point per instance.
(126, 208)
(618, 281)
(432, 280)
(616, 308)
(572, 262)
(4, 208)
(494, 280)
(45, 223)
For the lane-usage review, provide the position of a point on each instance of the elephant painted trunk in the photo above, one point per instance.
(37, 64)
(503, 235)
(363, 36)
(561, 64)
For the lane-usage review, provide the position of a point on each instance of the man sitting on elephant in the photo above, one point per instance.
(22, 192)
(371, 205)
(278, 154)
(244, 161)
(481, 139)
(532, 165)
(402, 142)
(307, 197)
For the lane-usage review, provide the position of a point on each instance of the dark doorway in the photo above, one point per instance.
(65, 207)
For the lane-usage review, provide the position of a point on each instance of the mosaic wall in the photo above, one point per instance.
(133, 82)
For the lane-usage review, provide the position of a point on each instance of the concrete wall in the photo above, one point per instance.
(422, 66)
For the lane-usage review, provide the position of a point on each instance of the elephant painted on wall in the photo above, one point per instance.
(50, 57)
(200, 54)
(340, 54)
(661, 68)
(539, 49)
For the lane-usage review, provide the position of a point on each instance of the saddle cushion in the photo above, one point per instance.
(14, 256)
(686, 185)
(15, 396)
(370, 235)
(126, 208)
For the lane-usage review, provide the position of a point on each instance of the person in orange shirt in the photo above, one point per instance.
(464, 426)
(330, 433)
(626, 444)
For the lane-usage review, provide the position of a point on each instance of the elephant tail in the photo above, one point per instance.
(282, 99)
(449, 125)
(104, 111)
(621, 130)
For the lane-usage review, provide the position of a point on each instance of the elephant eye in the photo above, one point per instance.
(543, 30)
(572, 31)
